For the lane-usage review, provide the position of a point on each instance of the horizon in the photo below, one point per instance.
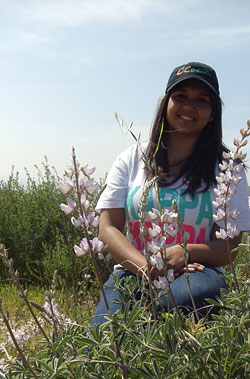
(67, 65)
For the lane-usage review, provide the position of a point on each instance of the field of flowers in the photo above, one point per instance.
(53, 267)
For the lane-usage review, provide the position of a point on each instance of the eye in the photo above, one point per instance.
(203, 100)
(179, 96)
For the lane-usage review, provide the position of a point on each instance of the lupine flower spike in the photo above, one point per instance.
(78, 205)
(228, 181)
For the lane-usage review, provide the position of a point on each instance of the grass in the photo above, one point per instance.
(77, 307)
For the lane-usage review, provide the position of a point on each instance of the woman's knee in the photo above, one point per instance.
(204, 285)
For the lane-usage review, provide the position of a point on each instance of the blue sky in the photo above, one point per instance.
(66, 66)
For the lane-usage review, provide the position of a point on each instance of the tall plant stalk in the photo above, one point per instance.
(26, 363)
(15, 276)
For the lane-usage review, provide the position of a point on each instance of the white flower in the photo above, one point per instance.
(236, 142)
(66, 186)
(23, 334)
(231, 232)
(87, 277)
(233, 214)
(97, 245)
(220, 179)
(170, 275)
(84, 201)
(87, 171)
(219, 215)
(240, 155)
(170, 229)
(68, 209)
(169, 216)
(93, 220)
(236, 179)
(239, 167)
(154, 231)
(229, 155)
(232, 191)
(152, 215)
(228, 176)
(79, 252)
(156, 260)
(162, 283)
(51, 309)
(77, 222)
(88, 185)
(153, 247)
(223, 166)
(219, 201)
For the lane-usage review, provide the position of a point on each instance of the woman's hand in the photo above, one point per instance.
(174, 258)
(191, 268)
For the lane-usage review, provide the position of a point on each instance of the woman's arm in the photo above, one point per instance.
(212, 253)
(112, 222)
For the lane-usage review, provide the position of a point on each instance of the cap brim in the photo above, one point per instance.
(193, 77)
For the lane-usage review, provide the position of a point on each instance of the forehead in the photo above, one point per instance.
(193, 84)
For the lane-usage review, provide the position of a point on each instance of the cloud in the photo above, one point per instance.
(235, 31)
(77, 12)
(219, 38)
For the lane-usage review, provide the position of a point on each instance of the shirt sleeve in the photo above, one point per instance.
(115, 193)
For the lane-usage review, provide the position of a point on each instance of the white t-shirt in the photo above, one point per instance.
(125, 183)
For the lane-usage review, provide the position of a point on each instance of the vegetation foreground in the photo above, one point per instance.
(45, 332)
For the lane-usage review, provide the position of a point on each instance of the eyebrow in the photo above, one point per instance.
(184, 90)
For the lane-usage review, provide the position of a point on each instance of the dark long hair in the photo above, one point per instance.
(198, 167)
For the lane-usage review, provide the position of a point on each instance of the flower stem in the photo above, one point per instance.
(232, 264)
(92, 255)
(15, 277)
(26, 363)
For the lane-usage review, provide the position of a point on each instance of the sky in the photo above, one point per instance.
(67, 65)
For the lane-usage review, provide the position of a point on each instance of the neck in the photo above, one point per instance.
(179, 149)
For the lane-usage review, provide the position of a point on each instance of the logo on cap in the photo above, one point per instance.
(191, 69)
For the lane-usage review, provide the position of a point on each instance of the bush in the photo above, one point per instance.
(36, 232)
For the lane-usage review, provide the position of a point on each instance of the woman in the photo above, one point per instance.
(187, 160)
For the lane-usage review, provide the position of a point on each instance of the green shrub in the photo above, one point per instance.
(36, 232)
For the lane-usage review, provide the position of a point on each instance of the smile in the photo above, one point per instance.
(187, 118)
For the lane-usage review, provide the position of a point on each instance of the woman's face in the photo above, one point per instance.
(189, 107)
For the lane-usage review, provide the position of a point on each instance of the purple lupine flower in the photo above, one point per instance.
(68, 209)
(66, 186)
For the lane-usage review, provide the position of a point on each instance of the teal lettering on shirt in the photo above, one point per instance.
(130, 203)
(206, 209)
(167, 195)
(187, 204)
(150, 203)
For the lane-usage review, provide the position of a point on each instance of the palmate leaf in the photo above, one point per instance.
(150, 332)
(62, 343)
(175, 374)
(54, 368)
(133, 315)
(146, 372)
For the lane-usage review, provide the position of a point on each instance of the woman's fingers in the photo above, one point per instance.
(191, 268)
(195, 266)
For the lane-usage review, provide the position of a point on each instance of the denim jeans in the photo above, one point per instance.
(204, 284)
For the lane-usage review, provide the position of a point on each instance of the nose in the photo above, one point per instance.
(190, 103)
